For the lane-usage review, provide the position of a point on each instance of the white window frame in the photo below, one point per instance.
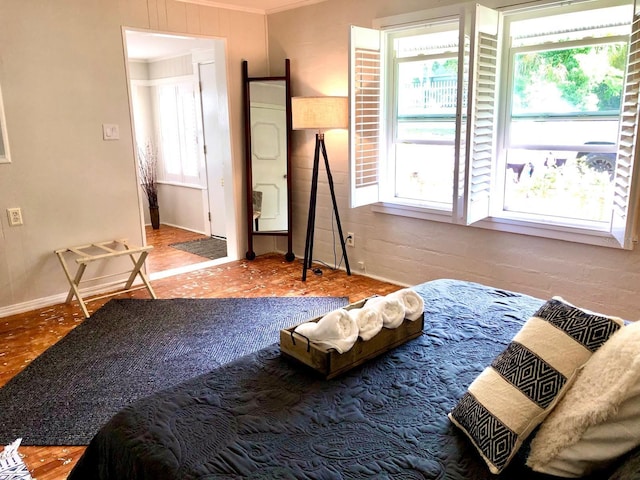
(475, 209)
(182, 178)
(392, 124)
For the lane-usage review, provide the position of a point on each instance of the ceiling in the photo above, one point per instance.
(255, 6)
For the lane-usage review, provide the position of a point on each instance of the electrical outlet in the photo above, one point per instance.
(15, 216)
(351, 239)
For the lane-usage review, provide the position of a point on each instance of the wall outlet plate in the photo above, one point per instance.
(15, 216)
(351, 239)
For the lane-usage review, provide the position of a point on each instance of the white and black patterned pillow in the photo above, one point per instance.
(11, 465)
(512, 396)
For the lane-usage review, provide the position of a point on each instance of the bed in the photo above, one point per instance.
(264, 416)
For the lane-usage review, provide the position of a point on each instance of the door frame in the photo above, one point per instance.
(219, 47)
(214, 150)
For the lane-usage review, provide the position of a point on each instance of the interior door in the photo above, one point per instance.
(214, 162)
(269, 158)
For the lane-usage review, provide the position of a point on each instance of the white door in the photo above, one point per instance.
(213, 159)
(269, 164)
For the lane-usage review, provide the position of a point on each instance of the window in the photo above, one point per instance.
(566, 77)
(4, 140)
(178, 153)
(425, 75)
(516, 120)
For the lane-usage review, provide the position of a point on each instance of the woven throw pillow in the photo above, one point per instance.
(517, 391)
(598, 420)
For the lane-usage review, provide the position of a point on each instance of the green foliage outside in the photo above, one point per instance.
(588, 78)
(574, 190)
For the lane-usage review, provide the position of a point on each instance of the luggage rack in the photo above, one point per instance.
(85, 254)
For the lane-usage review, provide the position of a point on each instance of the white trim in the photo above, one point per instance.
(88, 292)
(557, 232)
(421, 18)
(181, 227)
(6, 158)
(412, 211)
(60, 298)
(435, 15)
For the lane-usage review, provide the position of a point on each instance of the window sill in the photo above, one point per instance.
(556, 232)
(183, 185)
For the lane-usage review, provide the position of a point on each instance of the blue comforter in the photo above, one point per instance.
(263, 416)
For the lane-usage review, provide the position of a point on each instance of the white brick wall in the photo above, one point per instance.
(410, 251)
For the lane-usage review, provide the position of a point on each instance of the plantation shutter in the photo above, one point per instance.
(627, 176)
(365, 97)
(459, 173)
(481, 113)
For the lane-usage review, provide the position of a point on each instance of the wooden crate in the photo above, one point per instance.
(329, 363)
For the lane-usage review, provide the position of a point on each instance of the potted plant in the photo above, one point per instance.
(148, 168)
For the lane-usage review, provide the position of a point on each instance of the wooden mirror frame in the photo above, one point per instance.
(251, 232)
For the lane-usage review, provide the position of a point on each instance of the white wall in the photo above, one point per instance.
(62, 71)
(411, 251)
(180, 206)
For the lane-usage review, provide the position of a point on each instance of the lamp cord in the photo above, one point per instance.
(335, 260)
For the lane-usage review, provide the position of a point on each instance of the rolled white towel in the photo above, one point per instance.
(337, 329)
(412, 302)
(391, 310)
(369, 321)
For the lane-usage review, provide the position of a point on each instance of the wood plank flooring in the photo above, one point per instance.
(163, 257)
(25, 336)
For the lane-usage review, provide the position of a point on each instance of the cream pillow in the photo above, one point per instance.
(598, 420)
(512, 396)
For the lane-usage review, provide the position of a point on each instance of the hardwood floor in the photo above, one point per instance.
(163, 257)
(25, 336)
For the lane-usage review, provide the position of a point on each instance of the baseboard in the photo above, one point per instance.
(180, 227)
(364, 274)
(61, 297)
(112, 286)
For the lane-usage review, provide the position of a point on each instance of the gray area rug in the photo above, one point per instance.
(132, 348)
(210, 248)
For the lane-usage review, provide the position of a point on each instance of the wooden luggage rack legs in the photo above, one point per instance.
(86, 254)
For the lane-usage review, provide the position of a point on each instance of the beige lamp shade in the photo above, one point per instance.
(319, 113)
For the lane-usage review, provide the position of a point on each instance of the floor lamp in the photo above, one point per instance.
(320, 114)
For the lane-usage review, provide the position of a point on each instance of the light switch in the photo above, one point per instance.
(110, 131)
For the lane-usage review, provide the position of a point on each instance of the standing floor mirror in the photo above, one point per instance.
(267, 109)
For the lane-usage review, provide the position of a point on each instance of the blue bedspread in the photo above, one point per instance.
(266, 417)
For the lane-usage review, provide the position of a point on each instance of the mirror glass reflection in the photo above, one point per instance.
(268, 118)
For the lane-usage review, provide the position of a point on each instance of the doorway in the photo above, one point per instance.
(179, 104)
